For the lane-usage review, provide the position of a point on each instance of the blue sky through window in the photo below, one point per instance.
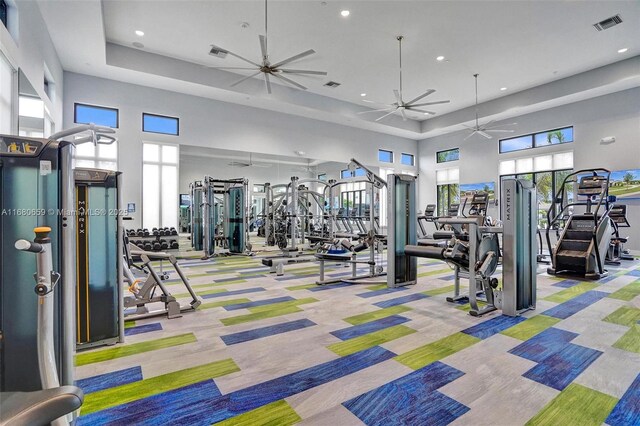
(85, 114)
(159, 124)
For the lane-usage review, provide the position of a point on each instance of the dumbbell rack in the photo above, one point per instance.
(154, 240)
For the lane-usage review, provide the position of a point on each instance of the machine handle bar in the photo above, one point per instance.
(25, 245)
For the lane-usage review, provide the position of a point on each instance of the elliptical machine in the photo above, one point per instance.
(53, 403)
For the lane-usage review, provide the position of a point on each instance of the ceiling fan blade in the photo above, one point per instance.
(386, 115)
(375, 102)
(398, 97)
(267, 82)
(404, 116)
(484, 126)
(245, 78)
(421, 110)
(499, 125)
(288, 80)
(429, 103)
(303, 72)
(470, 134)
(499, 130)
(230, 68)
(238, 164)
(294, 58)
(376, 110)
(486, 135)
(427, 93)
(263, 46)
(468, 127)
(244, 59)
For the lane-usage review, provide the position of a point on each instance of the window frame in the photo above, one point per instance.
(447, 150)
(5, 7)
(533, 139)
(411, 156)
(75, 113)
(162, 116)
(380, 150)
(160, 162)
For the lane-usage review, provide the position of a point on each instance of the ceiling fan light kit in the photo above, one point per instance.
(265, 66)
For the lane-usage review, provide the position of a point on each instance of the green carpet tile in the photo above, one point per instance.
(118, 395)
(436, 272)
(467, 307)
(625, 315)
(133, 349)
(627, 292)
(277, 413)
(268, 311)
(129, 324)
(380, 313)
(435, 351)
(575, 405)
(571, 292)
(370, 340)
(438, 291)
(239, 281)
(530, 327)
(630, 341)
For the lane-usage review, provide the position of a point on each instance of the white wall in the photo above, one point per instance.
(210, 123)
(31, 51)
(617, 114)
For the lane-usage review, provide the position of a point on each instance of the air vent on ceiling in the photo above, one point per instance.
(216, 51)
(332, 84)
(608, 23)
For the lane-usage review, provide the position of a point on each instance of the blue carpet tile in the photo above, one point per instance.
(249, 277)
(446, 278)
(146, 328)
(543, 345)
(627, 411)
(570, 307)
(492, 326)
(400, 300)
(375, 293)
(566, 283)
(200, 408)
(109, 380)
(224, 280)
(329, 286)
(369, 327)
(232, 293)
(258, 303)
(295, 277)
(561, 368)
(634, 273)
(156, 409)
(258, 333)
(410, 400)
(607, 279)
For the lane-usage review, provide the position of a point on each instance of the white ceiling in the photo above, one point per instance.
(513, 44)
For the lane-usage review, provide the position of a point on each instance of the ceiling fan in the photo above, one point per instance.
(249, 164)
(400, 104)
(485, 129)
(266, 67)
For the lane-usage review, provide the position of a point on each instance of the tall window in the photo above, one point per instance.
(160, 185)
(3, 13)
(97, 157)
(383, 197)
(448, 155)
(102, 116)
(447, 189)
(6, 95)
(385, 156)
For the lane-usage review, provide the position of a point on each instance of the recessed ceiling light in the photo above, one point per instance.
(440, 58)
(624, 49)
(363, 94)
(139, 33)
(503, 88)
(345, 13)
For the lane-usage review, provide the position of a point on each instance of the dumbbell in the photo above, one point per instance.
(139, 232)
(156, 246)
(174, 244)
(174, 231)
(154, 229)
(145, 233)
(164, 244)
(147, 246)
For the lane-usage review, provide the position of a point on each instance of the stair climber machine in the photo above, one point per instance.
(617, 252)
(473, 247)
(583, 243)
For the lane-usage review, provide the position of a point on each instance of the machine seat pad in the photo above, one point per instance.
(425, 251)
(38, 407)
(428, 242)
(337, 257)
